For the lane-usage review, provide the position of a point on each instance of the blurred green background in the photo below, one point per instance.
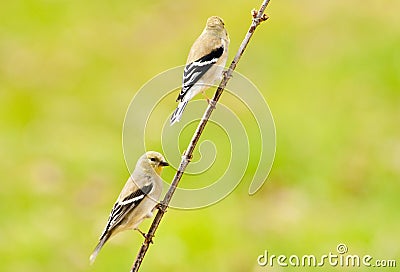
(330, 71)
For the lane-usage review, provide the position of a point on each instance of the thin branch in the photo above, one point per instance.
(258, 17)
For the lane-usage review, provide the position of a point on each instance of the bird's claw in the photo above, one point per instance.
(161, 207)
(212, 103)
(148, 240)
(226, 75)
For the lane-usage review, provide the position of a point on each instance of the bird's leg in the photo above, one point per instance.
(209, 101)
(212, 103)
(145, 236)
(160, 206)
(142, 233)
(225, 74)
(205, 96)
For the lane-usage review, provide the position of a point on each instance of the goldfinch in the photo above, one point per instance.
(204, 65)
(137, 199)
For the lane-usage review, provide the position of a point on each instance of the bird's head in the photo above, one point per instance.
(156, 161)
(215, 22)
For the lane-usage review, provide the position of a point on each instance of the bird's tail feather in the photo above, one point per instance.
(176, 116)
(96, 251)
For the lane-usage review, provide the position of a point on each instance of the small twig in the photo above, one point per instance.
(258, 17)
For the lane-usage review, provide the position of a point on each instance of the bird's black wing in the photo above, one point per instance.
(120, 209)
(196, 69)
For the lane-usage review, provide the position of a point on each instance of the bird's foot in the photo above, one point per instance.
(212, 103)
(142, 233)
(161, 207)
(148, 239)
(226, 75)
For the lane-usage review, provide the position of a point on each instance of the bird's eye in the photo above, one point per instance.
(153, 159)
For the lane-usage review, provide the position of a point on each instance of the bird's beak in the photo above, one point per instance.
(164, 163)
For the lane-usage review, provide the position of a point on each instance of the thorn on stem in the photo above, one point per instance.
(187, 157)
(254, 13)
(264, 17)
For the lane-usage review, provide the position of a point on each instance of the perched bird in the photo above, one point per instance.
(137, 199)
(204, 65)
